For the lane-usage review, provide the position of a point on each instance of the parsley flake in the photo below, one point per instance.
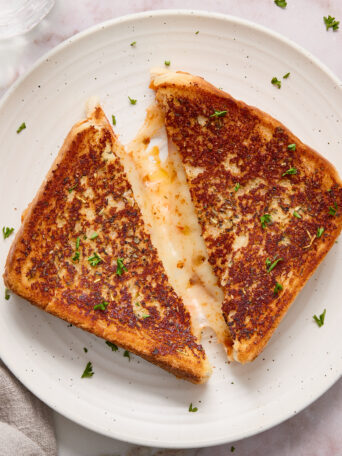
(330, 22)
(94, 235)
(296, 214)
(281, 3)
(101, 306)
(320, 231)
(237, 186)
(291, 147)
(7, 294)
(132, 101)
(113, 119)
(218, 113)
(22, 127)
(133, 43)
(76, 256)
(197, 32)
(276, 82)
(192, 409)
(270, 266)
(85, 349)
(72, 188)
(94, 260)
(286, 75)
(278, 287)
(167, 62)
(112, 346)
(265, 219)
(120, 267)
(333, 210)
(146, 315)
(127, 355)
(6, 231)
(232, 449)
(290, 171)
(88, 371)
(320, 320)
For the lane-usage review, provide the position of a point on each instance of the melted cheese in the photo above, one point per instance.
(158, 180)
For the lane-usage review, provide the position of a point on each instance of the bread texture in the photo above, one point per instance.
(83, 254)
(269, 206)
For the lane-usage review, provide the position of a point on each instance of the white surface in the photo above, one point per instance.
(263, 392)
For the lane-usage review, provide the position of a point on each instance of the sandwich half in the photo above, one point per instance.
(269, 206)
(83, 253)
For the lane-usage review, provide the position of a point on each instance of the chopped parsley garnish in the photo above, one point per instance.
(112, 346)
(132, 101)
(265, 219)
(146, 315)
(6, 231)
(113, 119)
(95, 259)
(197, 32)
(333, 210)
(276, 82)
(85, 349)
(291, 147)
(330, 22)
(278, 287)
(286, 75)
(270, 266)
(218, 113)
(192, 409)
(72, 188)
(320, 231)
(133, 43)
(237, 186)
(320, 320)
(101, 306)
(281, 3)
(296, 214)
(232, 449)
(127, 354)
(94, 235)
(88, 371)
(167, 62)
(22, 127)
(290, 171)
(7, 294)
(76, 257)
(120, 267)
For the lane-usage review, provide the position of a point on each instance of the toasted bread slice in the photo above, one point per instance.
(269, 206)
(84, 255)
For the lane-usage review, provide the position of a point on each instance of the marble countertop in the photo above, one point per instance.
(316, 431)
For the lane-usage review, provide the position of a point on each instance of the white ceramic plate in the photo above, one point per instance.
(133, 400)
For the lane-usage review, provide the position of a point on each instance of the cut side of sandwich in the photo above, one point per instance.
(83, 253)
(270, 207)
(159, 184)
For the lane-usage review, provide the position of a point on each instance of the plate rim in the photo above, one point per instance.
(64, 45)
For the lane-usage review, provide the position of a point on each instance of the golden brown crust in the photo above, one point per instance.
(65, 257)
(239, 168)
